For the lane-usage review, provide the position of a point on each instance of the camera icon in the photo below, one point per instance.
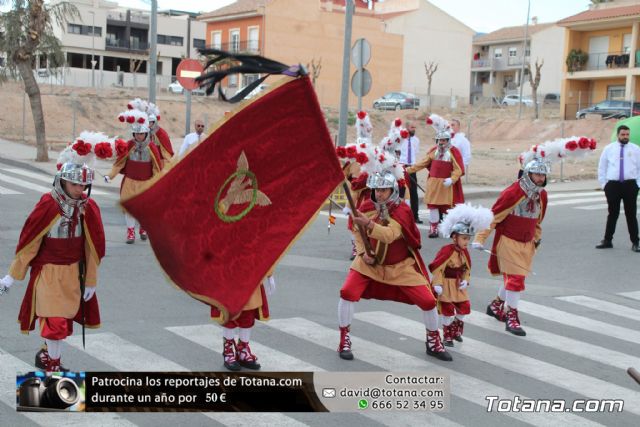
(51, 392)
(328, 392)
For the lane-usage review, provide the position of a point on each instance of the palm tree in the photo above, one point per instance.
(25, 33)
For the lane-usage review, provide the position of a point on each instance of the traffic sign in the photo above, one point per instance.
(361, 53)
(361, 82)
(188, 70)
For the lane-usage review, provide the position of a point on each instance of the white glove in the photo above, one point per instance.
(270, 285)
(5, 283)
(89, 291)
(438, 289)
(346, 210)
(463, 285)
(447, 182)
(478, 246)
(106, 179)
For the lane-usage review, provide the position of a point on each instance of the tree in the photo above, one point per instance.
(430, 71)
(314, 68)
(27, 32)
(534, 81)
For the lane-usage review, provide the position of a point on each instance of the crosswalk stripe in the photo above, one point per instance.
(558, 342)
(10, 366)
(126, 356)
(568, 195)
(210, 337)
(24, 184)
(122, 354)
(580, 322)
(549, 373)
(45, 178)
(4, 190)
(632, 295)
(600, 305)
(464, 386)
(576, 201)
(596, 207)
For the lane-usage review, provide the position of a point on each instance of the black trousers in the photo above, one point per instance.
(413, 194)
(627, 192)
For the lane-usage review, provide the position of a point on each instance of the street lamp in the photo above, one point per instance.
(524, 57)
(93, 36)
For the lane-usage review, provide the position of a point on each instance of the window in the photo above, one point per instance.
(497, 53)
(234, 40)
(254, 35)
(85, 30)
(199, 43)
(216, 39)
(626, 43)
(233, 80)
(170, 40)
(615, 92)
(74, 29)
(513, 52)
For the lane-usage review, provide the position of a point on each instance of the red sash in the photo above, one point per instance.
(518, 228)
(454, 273)
(397, 251)
(140, 171)
(59, 251)
(440, 169)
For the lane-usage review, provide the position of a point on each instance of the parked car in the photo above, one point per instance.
(515, 100)
(552, 98)
(397, 101)
(611, 109)
(255, 92)
(176, 87)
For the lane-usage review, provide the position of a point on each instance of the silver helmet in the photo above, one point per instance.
(534, 166)
(384, 179)
(463, 228)
(140, 127)
(444, 134)
(76, 173)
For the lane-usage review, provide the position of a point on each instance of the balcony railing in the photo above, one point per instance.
(244, 46)
(137, 17)
(481, 63)
(498, 64)
(605, 60)
(120, 44)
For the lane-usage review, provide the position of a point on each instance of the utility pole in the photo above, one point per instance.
(346, 67)
(93, 37)
(153, 57)
(524, 55)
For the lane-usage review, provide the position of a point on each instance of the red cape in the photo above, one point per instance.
(163, 139)
(509, 197)
(154, 151)
(38, 223)
(458, 195)
(403, 214)
(444, 254)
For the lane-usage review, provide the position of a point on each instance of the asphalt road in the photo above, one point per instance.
(581, 310)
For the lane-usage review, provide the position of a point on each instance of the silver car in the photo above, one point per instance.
(397, 101)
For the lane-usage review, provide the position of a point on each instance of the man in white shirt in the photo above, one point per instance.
(619, 177)
(192, 138)
(461, 143)
(408, 155)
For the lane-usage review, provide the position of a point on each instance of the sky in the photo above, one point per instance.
(481, 15)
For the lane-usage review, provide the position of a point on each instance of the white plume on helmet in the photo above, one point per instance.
(573, 147)
(438, 123)
(364, 129)
(465, 219)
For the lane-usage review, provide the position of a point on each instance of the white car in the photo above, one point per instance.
(255, 92)
(176, 87)
(515, 100)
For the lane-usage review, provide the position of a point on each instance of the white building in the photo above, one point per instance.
(497, 60)
(430, 35)
(117, 40)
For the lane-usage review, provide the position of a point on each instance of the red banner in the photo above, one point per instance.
(220, 219)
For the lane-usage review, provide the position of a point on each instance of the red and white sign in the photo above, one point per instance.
(187, 71)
